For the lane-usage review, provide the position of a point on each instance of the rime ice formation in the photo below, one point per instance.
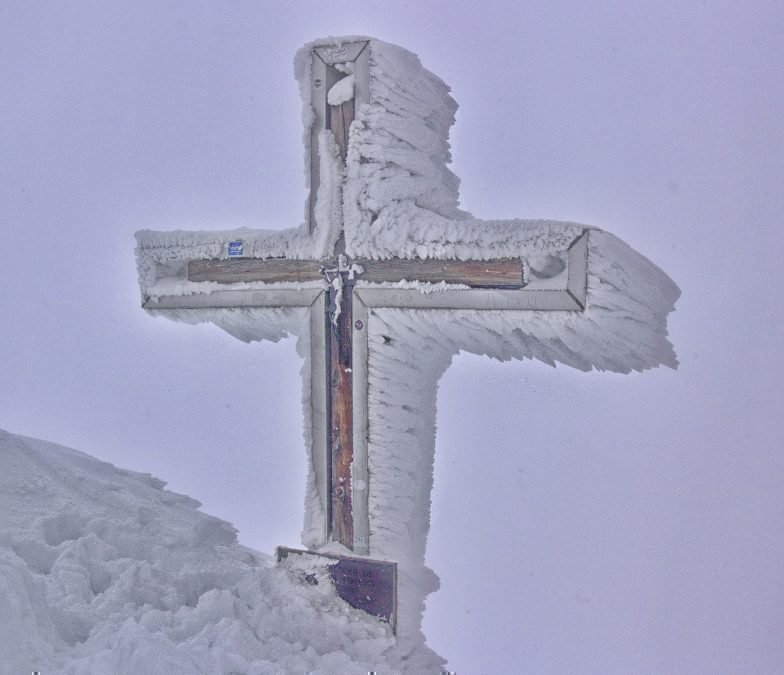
(396, 197)
(102, 570)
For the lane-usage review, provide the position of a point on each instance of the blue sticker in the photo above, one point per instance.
(235, 249)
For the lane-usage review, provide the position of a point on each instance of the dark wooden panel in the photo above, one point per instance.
(369, 585)
(364, 583)
(268, 270)
(507, 273)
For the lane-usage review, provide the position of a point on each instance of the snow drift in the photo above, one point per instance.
(102, 570)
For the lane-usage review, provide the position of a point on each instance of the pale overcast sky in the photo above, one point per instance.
(580, 521)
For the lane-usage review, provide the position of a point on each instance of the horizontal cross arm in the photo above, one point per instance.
(269, 270)
(502, 273)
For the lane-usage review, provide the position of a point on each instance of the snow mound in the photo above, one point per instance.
(102, 570)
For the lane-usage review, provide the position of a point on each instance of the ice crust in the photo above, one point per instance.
(398, 198)
(102, 570)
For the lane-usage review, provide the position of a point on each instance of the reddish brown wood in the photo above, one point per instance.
(342, 436)
(339, 120)
(268, 270)
(505, 273)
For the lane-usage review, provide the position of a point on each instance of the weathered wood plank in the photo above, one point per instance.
(506, 273)
(503, 273)
(269, 270)
(342, 436)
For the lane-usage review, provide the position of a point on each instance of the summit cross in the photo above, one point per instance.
(340, 313)
(385, 281)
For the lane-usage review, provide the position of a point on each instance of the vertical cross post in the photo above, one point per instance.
(330, 64)
(340, 397)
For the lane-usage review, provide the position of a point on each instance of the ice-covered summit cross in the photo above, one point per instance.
(385, 281)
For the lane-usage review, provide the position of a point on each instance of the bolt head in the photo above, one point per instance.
(359, 325)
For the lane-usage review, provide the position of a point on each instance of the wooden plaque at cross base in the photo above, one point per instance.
(369, 585)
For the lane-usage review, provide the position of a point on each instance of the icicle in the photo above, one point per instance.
(337, 284)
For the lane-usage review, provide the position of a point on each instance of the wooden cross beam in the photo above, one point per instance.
(349, 293)
(339, 323)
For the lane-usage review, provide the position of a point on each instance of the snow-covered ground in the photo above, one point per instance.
(103, 570)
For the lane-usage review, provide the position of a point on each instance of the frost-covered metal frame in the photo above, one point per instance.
(262, 298)
(366, 299)
(360, 476)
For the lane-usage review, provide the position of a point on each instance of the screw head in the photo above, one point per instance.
(359, 325)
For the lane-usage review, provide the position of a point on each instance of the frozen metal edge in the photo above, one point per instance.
(288, 297)
(342, 53)
(577, 260)
(360, 475)
(479, 299)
